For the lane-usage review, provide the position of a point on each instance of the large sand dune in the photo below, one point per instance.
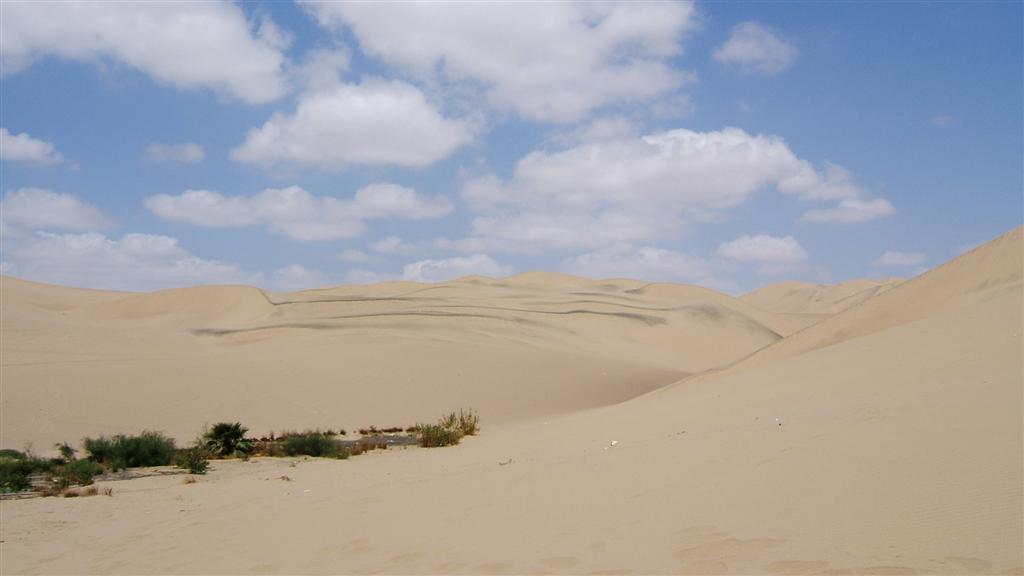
(886, 439)
(79, 363)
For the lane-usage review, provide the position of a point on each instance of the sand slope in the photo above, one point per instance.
(982, 274)
(78, 363)
(808, 298)
(897, 449)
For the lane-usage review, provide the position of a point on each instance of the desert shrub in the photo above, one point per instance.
(12, 454)
(15, 473)
(80, 472)
(227, 439)
(195, 460)
(311, 443)
(146, 449)
(436, 435)
(468, 422)
(99, 449)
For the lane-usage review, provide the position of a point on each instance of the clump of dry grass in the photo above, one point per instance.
(189, 480)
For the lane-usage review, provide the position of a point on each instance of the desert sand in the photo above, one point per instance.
(628, 427)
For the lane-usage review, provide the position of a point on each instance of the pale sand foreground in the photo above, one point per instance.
(886, 439)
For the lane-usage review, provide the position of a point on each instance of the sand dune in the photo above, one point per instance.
(984, 273)
(87, 363)
(883, 440)
(808, 298)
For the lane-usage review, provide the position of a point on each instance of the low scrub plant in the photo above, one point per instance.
(311, 443)
(196, 460)
(437, 435)
(146, 449)
(449, 430)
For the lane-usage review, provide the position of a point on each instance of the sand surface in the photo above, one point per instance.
(884, 438)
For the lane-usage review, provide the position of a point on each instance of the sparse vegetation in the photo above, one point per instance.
(146, 449)
(437, 435)
(449, 430)
(311, 443)
(19, 470)
(196, 460)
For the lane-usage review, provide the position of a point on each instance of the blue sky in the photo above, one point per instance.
(289, 146)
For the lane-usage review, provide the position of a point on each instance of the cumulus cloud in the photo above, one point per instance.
(297, 277)
(297, 214)
(377, 122)
(754, 48)
(392, 245)
(132, 262)
(24, 148)
(645, 263)
(638, 190)
(764, 248)
(852, 210)
(896, 259)
(585, 55)
(455, 267)
(41, 209)
(184, 44)
(188, 153)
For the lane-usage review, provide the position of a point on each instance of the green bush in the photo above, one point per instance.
(80, 472)
(14, 474)
(99, 449)
(436, 435)
(312, 443)
(227, 439)
(12, 454)
(146, 449)
(195, 460)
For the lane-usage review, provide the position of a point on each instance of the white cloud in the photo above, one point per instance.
(637, 190)
(41, 209)
(754, 48)
(188, 153)
(24, 148)
(297, 277)
(185, 44)
(764, 248)
(555, 61)
(322, 69)
(392, 245)
(455, 267)
(297, 214)
(896, 259)
(852, 211)
(645, 263)
(133, 262)
(374, 123)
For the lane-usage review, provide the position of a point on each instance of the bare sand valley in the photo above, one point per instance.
(871, 427)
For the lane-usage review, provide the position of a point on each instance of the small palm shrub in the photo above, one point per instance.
(227, 439)
(15, 474)
(311, 443)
